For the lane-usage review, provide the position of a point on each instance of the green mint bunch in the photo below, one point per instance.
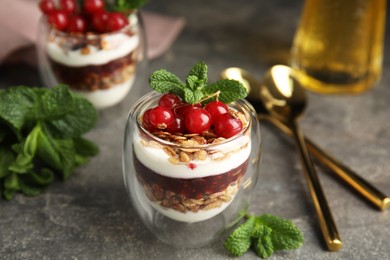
(41, 136)
(266, 234)
(196, 89)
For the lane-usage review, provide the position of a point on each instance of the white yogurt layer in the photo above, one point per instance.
(118, 46)
(108, 97)
(157, 160)
(189, 216)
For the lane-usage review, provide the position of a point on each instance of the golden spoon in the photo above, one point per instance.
(286, 100)
(338, 169)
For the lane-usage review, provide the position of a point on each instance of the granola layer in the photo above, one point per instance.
(96, 77)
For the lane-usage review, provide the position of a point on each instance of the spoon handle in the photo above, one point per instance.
(341, 171)
(350, 177)
(327, 224)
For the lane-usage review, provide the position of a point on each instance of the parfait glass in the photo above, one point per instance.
(190, 190)
(102, 67)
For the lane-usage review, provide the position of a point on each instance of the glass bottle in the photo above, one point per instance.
(339, 45)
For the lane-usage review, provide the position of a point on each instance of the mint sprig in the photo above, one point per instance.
(196, 88)
(124, 5)
(266, 234)
(41, 137)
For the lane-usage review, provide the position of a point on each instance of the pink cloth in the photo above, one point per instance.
(19, 25)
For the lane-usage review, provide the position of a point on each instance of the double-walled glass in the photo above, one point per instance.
(101, 67)
(189, 189)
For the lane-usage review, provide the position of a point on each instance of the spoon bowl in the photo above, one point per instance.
(282, 94)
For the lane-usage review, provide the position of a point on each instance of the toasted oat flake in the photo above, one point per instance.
(200, 155)
(85, 51)
(169, 151)
(174, 160)
(215, 204)
(183, 157)
(199, 139)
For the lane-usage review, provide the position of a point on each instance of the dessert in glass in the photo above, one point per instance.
(96, 52)
(190, 178)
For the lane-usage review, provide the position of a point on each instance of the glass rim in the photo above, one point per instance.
(151, 96)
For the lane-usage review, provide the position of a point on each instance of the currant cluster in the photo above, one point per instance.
(90, 16)
(175, 116)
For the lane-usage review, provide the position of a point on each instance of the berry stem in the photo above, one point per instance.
(216, 94)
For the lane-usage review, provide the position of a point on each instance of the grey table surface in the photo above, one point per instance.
(90, 215)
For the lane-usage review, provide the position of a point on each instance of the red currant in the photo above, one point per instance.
(99, 21)
(47, 6)
(161, 117)
(216, 108)
(197, 121)
(184, 109)
(93, 6)
(68, 6)
(227, 126)
(146, 121)
(116, 21)
(169, 100)
(58, 19)
(76, 24)
(177, 126)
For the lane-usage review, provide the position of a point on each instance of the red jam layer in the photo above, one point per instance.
(195, 188)
(94, 77)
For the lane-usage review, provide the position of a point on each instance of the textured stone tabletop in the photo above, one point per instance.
(90, 216)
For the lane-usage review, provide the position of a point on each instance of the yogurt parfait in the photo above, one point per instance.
(191, 159)
(94, 51)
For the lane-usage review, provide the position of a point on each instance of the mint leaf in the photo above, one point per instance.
(285, 235)
(30, 190)
(47, 151)
(56, 102)
(192, 97)
(6, 159)
(44, 177)
(85, 147)
(11, 182)
(22, 164)
(26, 152)
(30, 145)
(263, 246)
(198, 75)
(192, 82)
(240, 240)
(230, 90)
(260, 230)
(164, 81)
(200, 71)
(67, 156)
(78, 121)
(125, 5)
(17, 105)
(3, 132)
(57, 153)
(262, 242)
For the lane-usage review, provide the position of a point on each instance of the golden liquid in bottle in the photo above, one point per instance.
(339, 45)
